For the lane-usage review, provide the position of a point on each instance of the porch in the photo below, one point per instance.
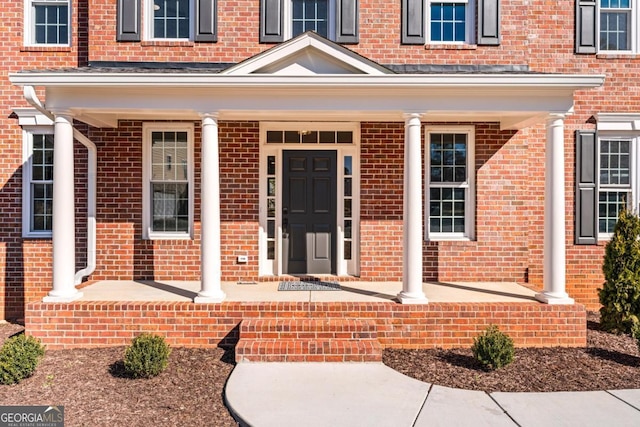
(263, 323)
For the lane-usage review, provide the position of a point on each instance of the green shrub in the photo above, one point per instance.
(147, 356)
(620, 295)
(493, 349)
(19, 357)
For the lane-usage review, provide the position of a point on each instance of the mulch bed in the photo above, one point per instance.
(608, 362)
(89, 384)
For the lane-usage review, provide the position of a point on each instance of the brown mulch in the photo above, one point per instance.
(89, 384)
(608, 362)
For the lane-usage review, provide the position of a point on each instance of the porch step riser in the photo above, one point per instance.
(308, 351)
(308, 340)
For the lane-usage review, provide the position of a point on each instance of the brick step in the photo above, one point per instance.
(308, 350)
(307, 329)
(308, 340)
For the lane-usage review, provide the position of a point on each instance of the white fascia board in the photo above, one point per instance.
(496, 81)
(618, 121)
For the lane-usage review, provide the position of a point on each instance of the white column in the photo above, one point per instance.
(412, 219)
(63, 226)
(554, 216)
(210, 258)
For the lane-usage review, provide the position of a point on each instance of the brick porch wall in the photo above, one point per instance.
(443, 325)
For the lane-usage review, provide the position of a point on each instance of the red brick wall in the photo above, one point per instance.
(443, 325)
(534, 33)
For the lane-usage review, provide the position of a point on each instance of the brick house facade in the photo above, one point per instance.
(518, 85)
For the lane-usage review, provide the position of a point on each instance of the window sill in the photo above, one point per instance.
(450, 46)
(618, 55)
(168, 43)
(167, 236)
(37, 236)
(45, 49)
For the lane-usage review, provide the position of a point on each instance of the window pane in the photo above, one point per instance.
(309, 15)
(448, 22)
(609, 205)
(271, 187)
(171, 19)
(347, 187)
(170, 207)
(447, 210)
(41, 207)
(50, 25)
(271, 165)
(614, 30)
(347, 229)
(614, 162)
(348, 170)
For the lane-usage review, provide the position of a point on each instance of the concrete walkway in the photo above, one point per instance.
(372, 394)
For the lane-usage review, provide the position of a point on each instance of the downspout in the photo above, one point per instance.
(92, 158)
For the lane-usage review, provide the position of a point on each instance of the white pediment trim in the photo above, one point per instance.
(618, 122)
(307, 54)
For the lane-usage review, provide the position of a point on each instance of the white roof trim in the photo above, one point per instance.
(310, 42)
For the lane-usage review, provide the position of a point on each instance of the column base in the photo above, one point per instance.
(412, 298)
(62, 298)
(205, 298)
(550, 298)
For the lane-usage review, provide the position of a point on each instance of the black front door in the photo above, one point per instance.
(309, 212)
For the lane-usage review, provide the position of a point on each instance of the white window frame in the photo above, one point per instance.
(633, 36)
(274, 267)
(632, 137)
(470, 22)
(469, 185)
(288, 19)
(27, 153)
(30, 22)
(149, 22)
(147, 208)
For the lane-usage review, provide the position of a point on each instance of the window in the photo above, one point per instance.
(449, 22)
(171, 19)
(47, 22)
(168, 187)
(615, 25)
(281, 20)
(615, 181)
(38, 183)
(450, 179)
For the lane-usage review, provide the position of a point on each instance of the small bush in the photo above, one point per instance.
(147, 356)
(620, 294)
(493, 349)
(19, 357)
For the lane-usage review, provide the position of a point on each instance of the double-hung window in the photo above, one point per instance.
(450, 21)
(450, 182)
(47, 22)
(615, 180)
(616, 24)
(170, 19)
(37, 202)
(168, 187)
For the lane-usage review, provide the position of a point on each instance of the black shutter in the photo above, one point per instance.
(128, 21)
(271, 21)
(586, 18)
(586, 216)
(206, 21)
(347, 21)
(489, 22)
(413, 22)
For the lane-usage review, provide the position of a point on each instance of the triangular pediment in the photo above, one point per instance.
(307, 54)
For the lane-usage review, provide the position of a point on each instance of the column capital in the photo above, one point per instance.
(411, 116)
(211, 116)
(63, 114)
(556, 116)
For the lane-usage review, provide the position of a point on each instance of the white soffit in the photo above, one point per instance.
(307, 54)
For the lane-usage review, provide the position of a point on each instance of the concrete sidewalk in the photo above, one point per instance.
(372, 394)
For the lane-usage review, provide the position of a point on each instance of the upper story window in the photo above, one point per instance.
(168, 174)
(616, 23)
(171, 19)
(47, 22)
(310, 15)
(450, 179)
(450, 22)
(336, 20)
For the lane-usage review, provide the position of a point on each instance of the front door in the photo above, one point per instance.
(309, 212)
